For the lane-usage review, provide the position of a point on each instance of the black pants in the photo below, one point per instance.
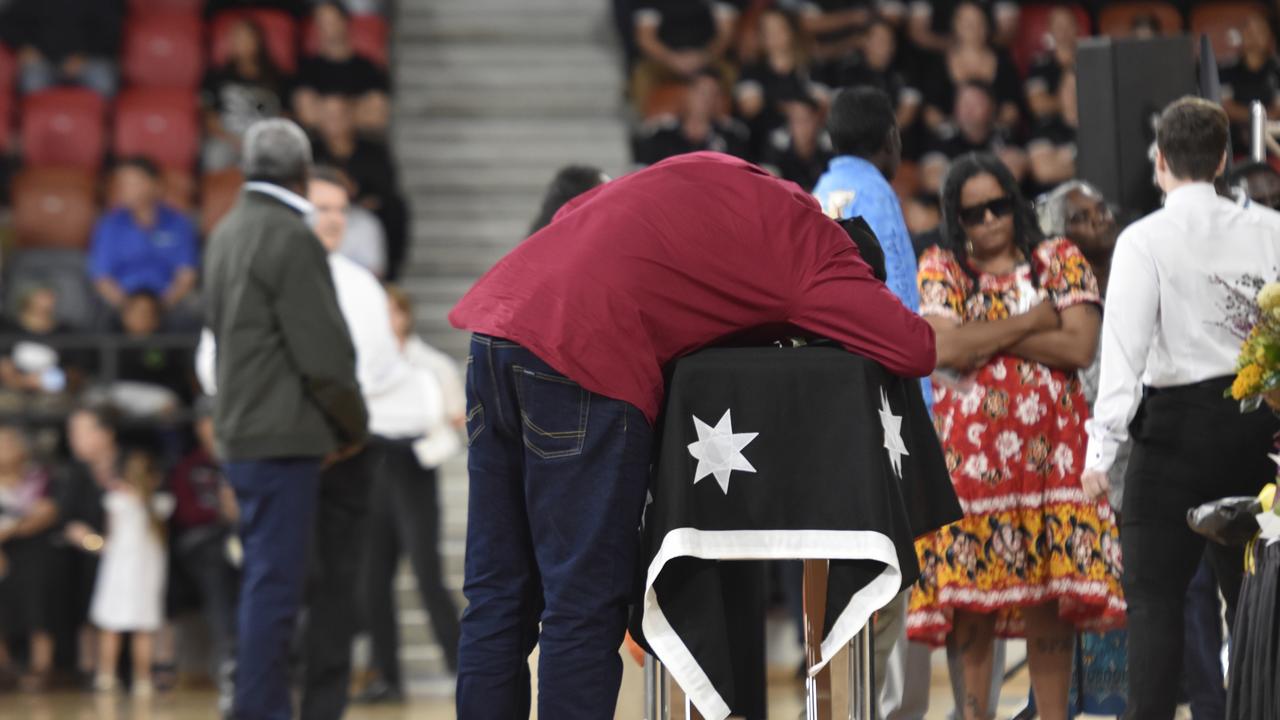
(201, 556)
(404, 517)
(331, 598)
(1191, 446)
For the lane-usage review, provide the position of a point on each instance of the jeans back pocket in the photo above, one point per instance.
(475, 409)
(553, 413)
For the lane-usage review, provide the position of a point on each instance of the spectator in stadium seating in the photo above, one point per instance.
(29, 365)
(28, 568)
(970, 58)
(203, 520)
(974, 130)
(143, 245)
(1046, 73)
(1051, 149)
(91, 436)
(337, 69)
(65, 41)
(296, 8)
(1145, 26)
(780, 76)
(677, 40)
(701, 125)
(875, 66)
(930, 23)
(368, 164)
(570, 182)
(248, 87)
(1254, 77)
(836, 27)
(800, 151)
(1261, 181)
(167, 368)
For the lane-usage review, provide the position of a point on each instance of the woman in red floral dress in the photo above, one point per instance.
(1016, 318)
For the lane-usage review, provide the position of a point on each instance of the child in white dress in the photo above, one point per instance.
(128, 596)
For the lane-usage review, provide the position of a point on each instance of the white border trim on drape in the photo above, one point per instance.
(765, 545)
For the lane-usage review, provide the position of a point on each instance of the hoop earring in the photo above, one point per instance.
(968, 247)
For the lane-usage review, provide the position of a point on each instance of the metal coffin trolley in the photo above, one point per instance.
(769, 453)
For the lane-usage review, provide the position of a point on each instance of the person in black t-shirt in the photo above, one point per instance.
(368, 164)
(678, 39)
(1045, 74)
(245, 89)
(973, 129)
(1255, 77)
(801, 151)
(28, 364)
(836, 27)
(779, 77)
(971, 58)
(700, 126)
(169, 369)
(929, 22)
(875, 66)
(64, 41)
(338, 69)
(1051, 148)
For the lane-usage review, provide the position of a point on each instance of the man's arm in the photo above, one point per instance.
(184, 281)
(316, 337)
(100, 266)
(1133, 304)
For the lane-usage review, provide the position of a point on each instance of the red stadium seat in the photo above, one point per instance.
(160, 124)
(665, 100)
(6, 124)
(172, 7)
(8, 70)
(64, 127)
(368, 36)
(54, 208)
(1223, 22)
(1117, 20)
(218, 193)
(277, 26)
(163, 50)
(1033, 30)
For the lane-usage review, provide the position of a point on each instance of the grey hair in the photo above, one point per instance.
(1051, 207)
(276, 151)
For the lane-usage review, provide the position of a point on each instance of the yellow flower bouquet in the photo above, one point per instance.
(1258, 366)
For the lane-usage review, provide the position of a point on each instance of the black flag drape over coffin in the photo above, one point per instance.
(828, 479)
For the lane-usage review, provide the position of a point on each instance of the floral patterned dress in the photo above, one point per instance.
(1014, 440)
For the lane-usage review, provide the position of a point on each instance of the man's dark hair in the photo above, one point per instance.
(1192, 136)
(342, 9)
(145, 295)
(333, 176)
(984, 88)
(860, 121)
(569, 183)
(140, 162)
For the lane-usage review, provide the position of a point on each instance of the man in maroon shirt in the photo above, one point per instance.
(564, 381)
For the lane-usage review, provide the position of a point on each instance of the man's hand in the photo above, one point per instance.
(341, 454)
(1095, 483)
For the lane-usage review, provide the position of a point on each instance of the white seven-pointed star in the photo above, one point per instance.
(892, 425)
(719, 450)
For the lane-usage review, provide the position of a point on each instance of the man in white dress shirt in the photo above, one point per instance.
(1167, 358)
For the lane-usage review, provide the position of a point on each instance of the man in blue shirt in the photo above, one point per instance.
(143, 245)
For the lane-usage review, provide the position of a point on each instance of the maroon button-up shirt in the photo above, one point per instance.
(673, 258)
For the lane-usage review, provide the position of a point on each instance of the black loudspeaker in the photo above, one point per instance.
(1123, 84)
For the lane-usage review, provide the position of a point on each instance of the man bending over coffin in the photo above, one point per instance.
(572, 331)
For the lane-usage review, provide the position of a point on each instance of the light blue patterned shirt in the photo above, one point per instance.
(853, 187)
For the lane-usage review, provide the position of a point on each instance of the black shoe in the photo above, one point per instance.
(379, 693)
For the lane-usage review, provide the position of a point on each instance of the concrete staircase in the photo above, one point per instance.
(492, 97)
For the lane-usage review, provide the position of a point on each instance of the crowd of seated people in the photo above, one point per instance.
(754, 77)
(104, 441)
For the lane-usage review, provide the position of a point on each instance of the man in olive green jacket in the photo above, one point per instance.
(288, 401)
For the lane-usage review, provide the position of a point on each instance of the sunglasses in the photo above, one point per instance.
(1089, 215)
(977, 214)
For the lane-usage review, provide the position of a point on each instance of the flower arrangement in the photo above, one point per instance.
(1258, 365)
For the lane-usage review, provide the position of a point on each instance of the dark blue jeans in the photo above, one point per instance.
(558, 480)
(277, 503)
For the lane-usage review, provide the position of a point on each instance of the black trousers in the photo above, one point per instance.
(404, 518)
(332, 599)
(1191, 446)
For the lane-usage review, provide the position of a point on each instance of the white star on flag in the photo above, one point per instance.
(719, 450)
(892, 425)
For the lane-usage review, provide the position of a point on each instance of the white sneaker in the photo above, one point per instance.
(143, 689)
(104, 683)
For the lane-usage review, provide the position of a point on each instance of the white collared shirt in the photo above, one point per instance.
(1166, 303)
(284, 195)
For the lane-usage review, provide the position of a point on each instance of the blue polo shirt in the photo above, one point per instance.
(853, 187)
(143, 259)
